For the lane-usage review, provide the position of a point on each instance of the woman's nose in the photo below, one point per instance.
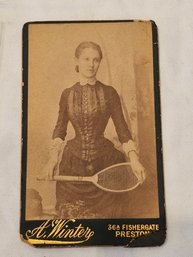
(91, 63)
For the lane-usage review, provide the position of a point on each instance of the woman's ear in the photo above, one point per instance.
(75, 60)
(76, 64)
(76, 68)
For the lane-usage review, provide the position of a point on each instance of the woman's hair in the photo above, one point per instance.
(87, 44)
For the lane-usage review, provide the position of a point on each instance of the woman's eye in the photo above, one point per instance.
(96, 60)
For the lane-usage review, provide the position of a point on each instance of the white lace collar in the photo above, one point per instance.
(84, 81)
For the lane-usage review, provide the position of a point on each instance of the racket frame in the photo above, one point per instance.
(94, 179)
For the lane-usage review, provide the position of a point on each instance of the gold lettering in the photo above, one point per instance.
(39, 231)
(59, 228)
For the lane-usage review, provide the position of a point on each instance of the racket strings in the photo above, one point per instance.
(117, 178)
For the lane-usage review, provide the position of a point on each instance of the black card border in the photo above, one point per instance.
(153, 239)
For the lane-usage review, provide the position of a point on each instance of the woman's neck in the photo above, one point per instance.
(83, 80)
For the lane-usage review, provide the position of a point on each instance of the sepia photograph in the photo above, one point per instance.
(89, 91)
(91, 142)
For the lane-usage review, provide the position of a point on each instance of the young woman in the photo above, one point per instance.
(88, 105)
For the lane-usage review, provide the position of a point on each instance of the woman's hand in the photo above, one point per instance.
(55, 149)
(137, 167)
(49, 169)
(130, 150)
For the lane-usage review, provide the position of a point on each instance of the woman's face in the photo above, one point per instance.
(88, 62)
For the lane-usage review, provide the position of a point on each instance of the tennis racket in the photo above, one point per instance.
(117, 178)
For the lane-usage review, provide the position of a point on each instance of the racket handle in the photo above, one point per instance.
(72, 178)
(66, 178)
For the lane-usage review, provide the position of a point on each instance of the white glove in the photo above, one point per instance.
(137, 167)
(129, 146)
(130, 149)
(56, 144)
(54, 152)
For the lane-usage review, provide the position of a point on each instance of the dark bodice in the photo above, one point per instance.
(89, 108)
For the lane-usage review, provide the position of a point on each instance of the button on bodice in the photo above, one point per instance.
(89, 108)
(86, 111)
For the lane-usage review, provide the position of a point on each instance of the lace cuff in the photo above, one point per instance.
(129, 146)
(55, 146)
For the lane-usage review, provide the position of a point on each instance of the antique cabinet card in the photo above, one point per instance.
(92, 171)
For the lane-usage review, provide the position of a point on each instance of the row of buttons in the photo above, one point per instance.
(85, 136)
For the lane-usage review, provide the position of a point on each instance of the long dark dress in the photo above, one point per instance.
(89, 108)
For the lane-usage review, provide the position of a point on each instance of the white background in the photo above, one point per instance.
(175, 22)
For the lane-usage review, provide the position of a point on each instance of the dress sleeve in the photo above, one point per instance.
(60, 129)
(117, 116)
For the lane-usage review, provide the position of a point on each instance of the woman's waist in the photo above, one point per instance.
(90, 150)
(89, 141)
